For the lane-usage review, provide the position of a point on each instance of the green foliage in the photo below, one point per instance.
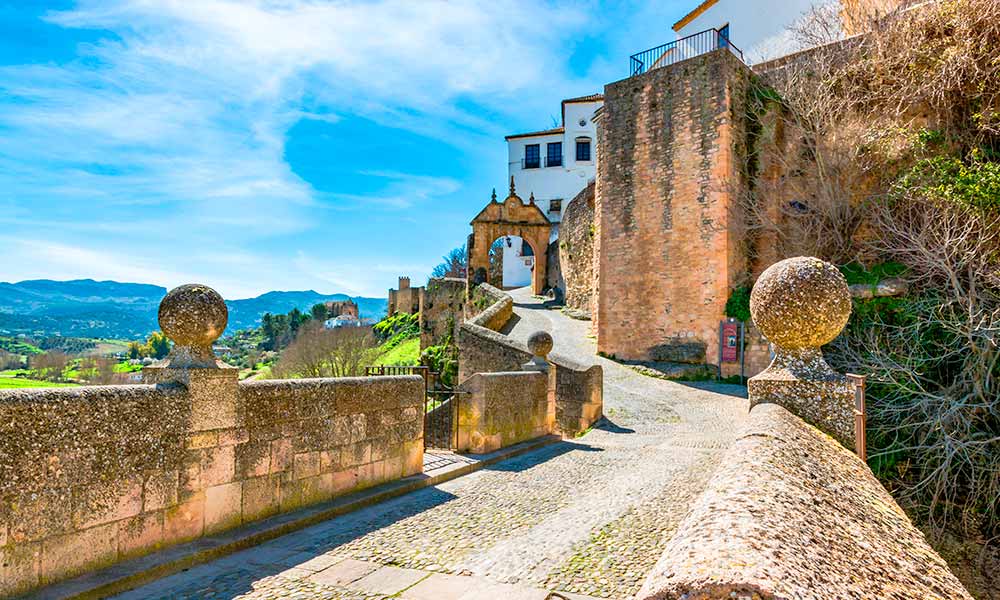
(856, 273)
(15, 346)
(974, 184)
(319, 312)
(158, 344)
(406, 352)
(930, 138)
(23, 382)
(396, 329)
(442, 359)
(69, 345)
(738, 304)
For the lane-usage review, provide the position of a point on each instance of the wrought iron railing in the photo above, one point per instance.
(553, 161)
(691, 46)
(440, 405)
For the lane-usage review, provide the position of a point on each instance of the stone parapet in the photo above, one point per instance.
(800, 304)
(496, 410)
(792, 514)
(579, 389)
(499, 310)
(93, 476)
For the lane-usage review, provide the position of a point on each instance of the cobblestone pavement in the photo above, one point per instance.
(588, 516)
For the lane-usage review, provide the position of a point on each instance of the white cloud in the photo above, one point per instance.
(184, 108)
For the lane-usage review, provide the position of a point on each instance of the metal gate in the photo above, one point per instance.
(440, 406)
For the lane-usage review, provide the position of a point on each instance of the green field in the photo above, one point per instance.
(405, 353)
(7, 383)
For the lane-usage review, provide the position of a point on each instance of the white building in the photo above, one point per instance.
(553, 165)
(342, 321)
(758, 28)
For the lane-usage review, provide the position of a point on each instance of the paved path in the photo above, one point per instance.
(588, 516)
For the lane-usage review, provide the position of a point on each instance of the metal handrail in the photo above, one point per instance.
(686, 47)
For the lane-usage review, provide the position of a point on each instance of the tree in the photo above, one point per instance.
(456, 264)
(319, 312)
(321, 352)
(50, 365)
(134, 350)
(158, 345)
(9, 360)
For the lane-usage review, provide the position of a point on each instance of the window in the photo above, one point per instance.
(583, 149)
(531, 156)
(724, 36)
(555, 205)
(553, 154)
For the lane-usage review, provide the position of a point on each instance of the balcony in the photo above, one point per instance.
(554, 161)
(691, 46)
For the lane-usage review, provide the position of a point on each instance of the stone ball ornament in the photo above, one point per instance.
(540, 343)
(193, 316)
(800, 303)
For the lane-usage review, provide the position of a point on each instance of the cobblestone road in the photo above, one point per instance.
(588, 516)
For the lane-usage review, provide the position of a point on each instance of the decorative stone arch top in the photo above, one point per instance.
(512, 211)
(511, 217)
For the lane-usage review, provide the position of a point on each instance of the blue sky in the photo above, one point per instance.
(285, 144)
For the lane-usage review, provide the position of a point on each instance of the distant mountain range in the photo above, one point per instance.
(110, 309)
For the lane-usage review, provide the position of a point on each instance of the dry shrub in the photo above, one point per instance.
(855, 151)
(320, 352)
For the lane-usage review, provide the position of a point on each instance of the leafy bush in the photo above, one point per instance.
(738, 305)
(975, 184)
(393, 330)
(442, 359)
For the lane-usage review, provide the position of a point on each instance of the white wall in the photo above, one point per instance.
(515, 273)
(758, 28)
(565, 182)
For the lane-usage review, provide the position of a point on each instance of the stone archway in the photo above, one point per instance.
(510, 217)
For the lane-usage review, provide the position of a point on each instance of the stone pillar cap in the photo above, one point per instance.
(193, 316)
(800, 303)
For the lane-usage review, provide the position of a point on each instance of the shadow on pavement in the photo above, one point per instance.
(606, 424)
(531, 459)
(288, 551)
(728, 389)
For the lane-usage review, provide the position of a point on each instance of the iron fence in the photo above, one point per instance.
(691, 46)
(440, 404)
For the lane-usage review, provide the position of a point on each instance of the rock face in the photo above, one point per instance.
(799, 304)
(193, 316)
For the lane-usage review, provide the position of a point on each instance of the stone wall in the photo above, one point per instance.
(576, 250)
(443, 309)
(668, 252)
(792, 514)
(554, 276)
(96, 475)
(495, 308)
(502, 409)
(578, 389)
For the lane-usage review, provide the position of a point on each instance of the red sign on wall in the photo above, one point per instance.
(730, 342)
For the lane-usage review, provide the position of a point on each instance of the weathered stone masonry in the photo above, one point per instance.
(667, 252)
(576, 250)
(93, 476)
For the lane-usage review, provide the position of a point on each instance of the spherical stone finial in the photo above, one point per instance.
(193, 316)
(800, 303)
(540, 343)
